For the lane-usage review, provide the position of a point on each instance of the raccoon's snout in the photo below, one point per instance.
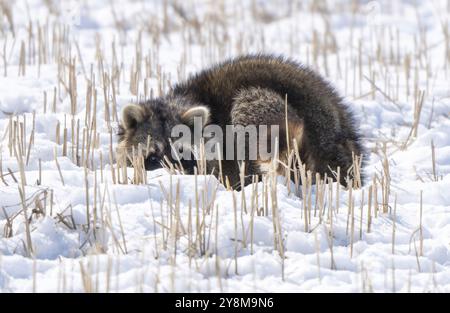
(188, 165)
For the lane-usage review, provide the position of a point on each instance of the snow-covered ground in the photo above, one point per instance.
(181, 233)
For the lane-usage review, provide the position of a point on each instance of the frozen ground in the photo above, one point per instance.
(176, 233)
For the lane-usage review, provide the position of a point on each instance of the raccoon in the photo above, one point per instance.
(251, 90)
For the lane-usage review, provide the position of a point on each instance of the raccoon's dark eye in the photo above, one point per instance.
(152, 162)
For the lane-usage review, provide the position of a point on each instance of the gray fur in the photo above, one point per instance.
(252, 90)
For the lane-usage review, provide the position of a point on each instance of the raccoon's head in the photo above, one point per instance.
(150, 124)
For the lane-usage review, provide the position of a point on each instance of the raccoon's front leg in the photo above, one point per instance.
(260, 106)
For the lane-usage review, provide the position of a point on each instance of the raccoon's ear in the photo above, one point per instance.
(197, 111)
(132, 115)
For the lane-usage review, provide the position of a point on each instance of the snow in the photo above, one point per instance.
(132, 243)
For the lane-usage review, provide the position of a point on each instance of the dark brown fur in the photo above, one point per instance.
(252, 90)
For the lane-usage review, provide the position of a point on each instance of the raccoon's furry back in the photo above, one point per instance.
(330, 132)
